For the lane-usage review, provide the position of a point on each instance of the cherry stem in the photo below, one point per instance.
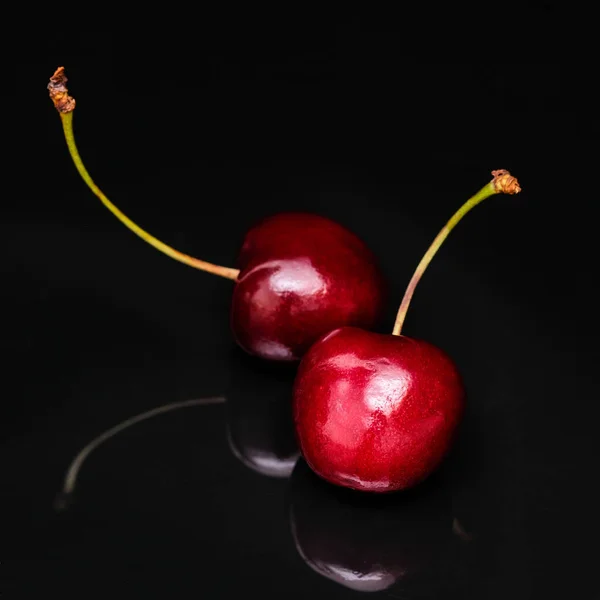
(503, 183)
(65, 105)
(64, 497)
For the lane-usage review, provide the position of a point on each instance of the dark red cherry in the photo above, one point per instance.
(379, 412)
(376, 412)
(302, 275)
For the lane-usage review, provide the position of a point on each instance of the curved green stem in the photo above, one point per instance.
(503, 183)
(65, 105)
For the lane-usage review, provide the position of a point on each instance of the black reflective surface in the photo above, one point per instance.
(210, 500)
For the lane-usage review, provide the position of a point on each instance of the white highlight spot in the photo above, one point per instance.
(298, 277)
(386, 390)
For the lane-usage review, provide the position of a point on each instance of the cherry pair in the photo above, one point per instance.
(372, 412)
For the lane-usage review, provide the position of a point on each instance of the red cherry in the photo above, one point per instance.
(376, 412)
(379, 412)
(300, 275)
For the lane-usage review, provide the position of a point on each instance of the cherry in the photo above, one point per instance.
(300, 275)
(379, 412)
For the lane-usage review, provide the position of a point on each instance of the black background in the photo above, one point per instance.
(196, 133)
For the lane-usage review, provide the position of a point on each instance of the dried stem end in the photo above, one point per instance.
(505, 183)
(59, 94)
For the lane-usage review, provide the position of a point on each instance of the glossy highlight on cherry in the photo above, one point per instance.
(299, 275)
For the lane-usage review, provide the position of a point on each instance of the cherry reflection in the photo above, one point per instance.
(260, 428)
(369, 543)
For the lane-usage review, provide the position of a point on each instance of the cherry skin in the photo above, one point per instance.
(376, 412)
(301, 276)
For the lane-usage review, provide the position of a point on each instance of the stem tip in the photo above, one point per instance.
(59, 94)
(505, 183)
